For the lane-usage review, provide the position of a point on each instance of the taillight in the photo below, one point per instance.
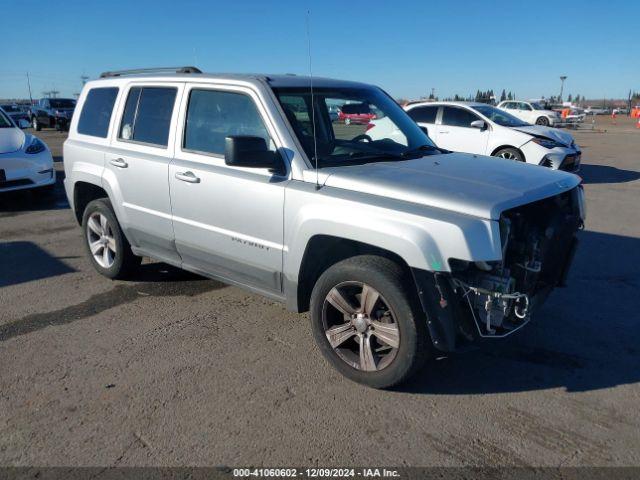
(370, 126)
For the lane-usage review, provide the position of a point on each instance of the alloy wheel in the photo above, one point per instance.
(101, 240)
(508, 155)
(360, 326)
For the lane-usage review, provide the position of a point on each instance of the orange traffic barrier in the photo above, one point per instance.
(635, 113)
(565, 112)
(638, 124)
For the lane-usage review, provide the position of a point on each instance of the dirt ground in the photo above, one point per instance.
(174, 369)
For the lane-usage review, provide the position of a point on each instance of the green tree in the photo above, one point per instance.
(569, 98)
(510, 96)
(503, 95)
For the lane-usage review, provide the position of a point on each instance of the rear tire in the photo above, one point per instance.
(380, 342)
(543, 121)
(510, 154)
(109, 250)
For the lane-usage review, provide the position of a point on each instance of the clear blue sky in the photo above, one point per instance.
(405, 47)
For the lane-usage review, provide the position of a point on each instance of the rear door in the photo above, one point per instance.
(425, 116)
(137, 165)
(228, 220)
(456, 134)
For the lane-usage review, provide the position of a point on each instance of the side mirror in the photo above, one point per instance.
(22, 123)
(478, 124)
(249, 151)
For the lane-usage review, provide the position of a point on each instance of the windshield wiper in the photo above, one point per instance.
(420, 149)
(374, 155)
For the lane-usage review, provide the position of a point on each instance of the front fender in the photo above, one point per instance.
(425, 238)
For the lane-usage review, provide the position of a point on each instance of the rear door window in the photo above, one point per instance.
(457, 117)
(424, 114)
(147, 115)
(96, 112)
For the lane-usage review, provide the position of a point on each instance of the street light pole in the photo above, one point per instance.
(562, 79)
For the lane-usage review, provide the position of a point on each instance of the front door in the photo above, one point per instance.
(455, 132)
(526, 113)
(228, 221)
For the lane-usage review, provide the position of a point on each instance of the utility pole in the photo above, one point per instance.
(54, 93)
(29, 85)
(562, 79)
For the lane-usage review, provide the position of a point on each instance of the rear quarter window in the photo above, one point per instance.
(96, 112)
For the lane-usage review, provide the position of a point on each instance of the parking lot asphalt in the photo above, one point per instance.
(174, 369)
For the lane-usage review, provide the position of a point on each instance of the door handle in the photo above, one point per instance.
(118, 162)
(187, 177)
(446, 131)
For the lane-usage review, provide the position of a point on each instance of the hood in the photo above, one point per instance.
(548, 132)
(469, 184)
(11, 140)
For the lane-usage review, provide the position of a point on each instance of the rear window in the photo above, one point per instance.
(423, 114)
(457, 117)
(96, 112)
(147, 115)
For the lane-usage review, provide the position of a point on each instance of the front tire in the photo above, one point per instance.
(510, 154)
(109, 250)
(367, 323)
(543, 121)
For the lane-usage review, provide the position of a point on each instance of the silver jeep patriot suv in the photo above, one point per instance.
(399, 249)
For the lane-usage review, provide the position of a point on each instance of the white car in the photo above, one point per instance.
(25, 160)
(576, 115)
(485, 130)
(530, 112)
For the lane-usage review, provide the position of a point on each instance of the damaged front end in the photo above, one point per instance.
(494, 299)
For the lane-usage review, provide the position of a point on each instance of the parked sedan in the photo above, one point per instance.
(25, 160)
(485, 130)
(530, 112)
(14, 112)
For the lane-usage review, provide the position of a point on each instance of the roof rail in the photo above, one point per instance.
(119, 73)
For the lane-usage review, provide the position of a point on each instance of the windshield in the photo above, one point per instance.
(4, 121)
(62, 103)
(537, 106)
(500, 116)
(370, 126)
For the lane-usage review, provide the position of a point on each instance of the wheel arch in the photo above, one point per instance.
(83, 193)
(501, 147)
(321, 252)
